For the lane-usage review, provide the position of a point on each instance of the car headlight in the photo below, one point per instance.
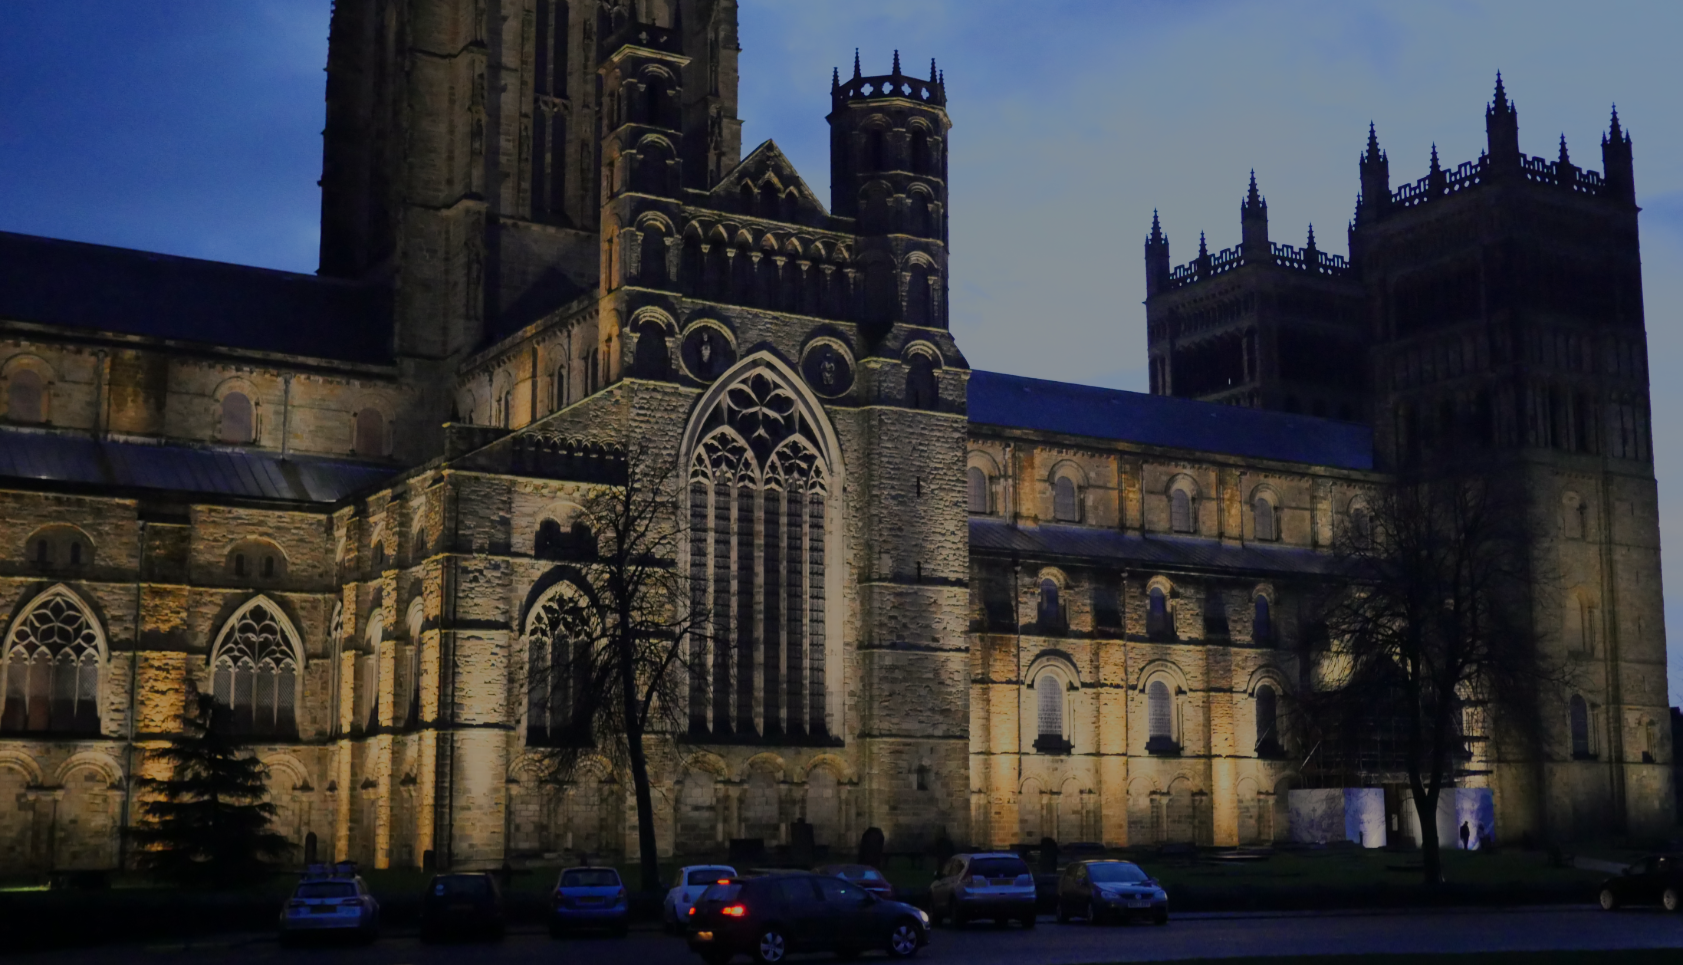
(923, 915)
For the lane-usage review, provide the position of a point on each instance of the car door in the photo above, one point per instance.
(1073, 893)
(846, 914)
(807, 920)
(941, 890)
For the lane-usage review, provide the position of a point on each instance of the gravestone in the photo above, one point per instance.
(870, 848)
(802, 852)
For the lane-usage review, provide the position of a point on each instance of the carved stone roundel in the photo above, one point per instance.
(827, 370)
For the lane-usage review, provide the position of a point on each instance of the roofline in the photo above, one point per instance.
(1198, 455)
(59, 332)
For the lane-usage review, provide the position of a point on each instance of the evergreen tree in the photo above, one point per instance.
(207, 823)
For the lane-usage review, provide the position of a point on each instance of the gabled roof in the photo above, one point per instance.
(79, 460)
(767, 159)
(98, 287)
(1012, 401)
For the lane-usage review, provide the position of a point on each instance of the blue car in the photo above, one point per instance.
(589, 898)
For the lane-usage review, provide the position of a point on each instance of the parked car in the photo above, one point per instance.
(994, 884)
(1658, 878)
(862, 875)
(462, 905)
(772, 916)
(330, 899)
(1101, 889)
(589, 898)
(691, 881)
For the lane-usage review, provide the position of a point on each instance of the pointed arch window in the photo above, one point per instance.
(1267, 722)
(1262, 623)
(414, 619)
(1180, 511)
(236, 422)
(560, 645)
(979, 491)
(54, 653)
(1050, 737)
(1263, 514)
(1051, 608)
(25, 394)
(255, 672)
(1160, 719)
(1158, 624)
(1578, 713)
(760, 483)
(1066, 501)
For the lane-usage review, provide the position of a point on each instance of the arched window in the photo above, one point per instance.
(1263, 512)
(1049, 702)
(367, 703)
(979, 491)
(1180, 511)
(370, 433)
(1158, 626)
(1051, 610)
(919, 304)
(24, 397)
(920, 151)
(54, 652)
(653, 256)
(921, 391)
(652, 360)
(1267, 723)
(255, 671)
(876, 152)
(1578, 624)
(1065, 506)
(236, 421)
(414, 619)
(1160, 719)
(760, 478)
(1262, 624)
(1579, 712)
(1572, 514)
(560, 651)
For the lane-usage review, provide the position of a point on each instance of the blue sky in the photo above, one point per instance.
(193, 127)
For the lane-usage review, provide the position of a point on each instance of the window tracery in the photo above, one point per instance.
(53, 657)
(559, 641)
(255, 675)
(759, 487)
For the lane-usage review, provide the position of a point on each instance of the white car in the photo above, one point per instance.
(691, 881)
(330, 899)
(996, 884)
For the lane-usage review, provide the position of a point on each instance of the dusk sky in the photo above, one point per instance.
(193, 127)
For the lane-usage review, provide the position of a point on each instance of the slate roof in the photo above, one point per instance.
(56, 282)
(79, 459)
(1108, 546)
(1082, 410)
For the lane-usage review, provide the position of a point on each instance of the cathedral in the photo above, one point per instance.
(948, 603)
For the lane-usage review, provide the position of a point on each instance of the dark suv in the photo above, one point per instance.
(1658, 878)
(772, 916)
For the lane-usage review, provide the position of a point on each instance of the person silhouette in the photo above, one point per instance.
(1466, 832)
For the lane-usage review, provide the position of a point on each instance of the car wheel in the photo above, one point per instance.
(903, 940)
(1609, 901)
(1669, 898)
(771, 947)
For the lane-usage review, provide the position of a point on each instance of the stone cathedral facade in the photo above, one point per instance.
(949, 602)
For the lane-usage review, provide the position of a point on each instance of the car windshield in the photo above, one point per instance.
(860, 874)
(707, 876)
(463, 886)
(1116, 872)
(721, 893)
(590, 878)
(326, 889)
(998, 867)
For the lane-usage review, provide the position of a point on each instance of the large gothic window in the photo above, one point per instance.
(559, 645)
(255, 671)
(53, 657)
(760, 479)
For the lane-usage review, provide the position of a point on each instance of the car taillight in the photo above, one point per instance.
(620, 893)
(692, 911)
(724, 881)
(734, 911)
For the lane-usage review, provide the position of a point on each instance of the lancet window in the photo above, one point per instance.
(254, 672)
(759, 489)
(559, 647)
(53, 657)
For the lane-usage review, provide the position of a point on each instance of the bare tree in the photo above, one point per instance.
(611, 665)
(1429, 635)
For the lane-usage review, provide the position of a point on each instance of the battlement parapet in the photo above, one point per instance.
(897, 84)
(1441, 184)
(554, 457)
(1307, 260)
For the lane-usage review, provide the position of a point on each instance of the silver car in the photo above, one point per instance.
(994, 884)
(330, 900)
(687, 887)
